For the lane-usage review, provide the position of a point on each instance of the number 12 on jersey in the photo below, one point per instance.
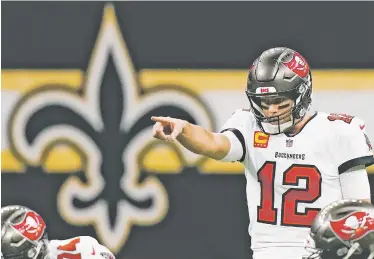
(266, 213)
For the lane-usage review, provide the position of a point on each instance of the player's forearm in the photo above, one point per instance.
(204, 142)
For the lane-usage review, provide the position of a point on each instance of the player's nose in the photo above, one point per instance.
(273, 108)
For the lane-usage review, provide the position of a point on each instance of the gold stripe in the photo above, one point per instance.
(154, 160)
(25, 80)
(195, 80)
(67, 160)
(212, 166)
(9, 163)
(370, 169)
(59, 160)
(63, 159)
(343, 80)
(204, 80)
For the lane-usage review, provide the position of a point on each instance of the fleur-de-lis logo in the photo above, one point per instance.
(109, 124)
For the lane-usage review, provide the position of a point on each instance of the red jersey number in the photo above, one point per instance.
(290, 199)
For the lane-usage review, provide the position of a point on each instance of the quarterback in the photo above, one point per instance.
(297, 160)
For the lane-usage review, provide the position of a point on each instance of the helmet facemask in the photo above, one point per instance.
(297, 99)
(348, 250)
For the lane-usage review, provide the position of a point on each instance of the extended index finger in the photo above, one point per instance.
(162, 119)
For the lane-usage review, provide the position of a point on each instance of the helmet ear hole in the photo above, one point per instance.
(301, 88)
(31, 253)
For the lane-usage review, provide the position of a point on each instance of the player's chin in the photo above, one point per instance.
(284, 121)
(279, 122)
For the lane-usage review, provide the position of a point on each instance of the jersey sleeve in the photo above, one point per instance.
(87, 247)
(353, 147)
(236, 125)
(104, 252)
(92, 249)
(355, 183)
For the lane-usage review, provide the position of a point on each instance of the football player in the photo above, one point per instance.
(24, 236)
(296, 160)
(343, 230)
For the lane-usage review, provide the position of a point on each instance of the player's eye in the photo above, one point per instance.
(264, 106)
(284, 106)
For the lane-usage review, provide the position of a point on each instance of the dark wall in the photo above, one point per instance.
(191, 34)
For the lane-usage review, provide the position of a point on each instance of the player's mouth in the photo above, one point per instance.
(279, 121)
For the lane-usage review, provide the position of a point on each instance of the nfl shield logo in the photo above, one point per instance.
(289, 142)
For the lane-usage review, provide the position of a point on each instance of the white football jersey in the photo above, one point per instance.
(289, 179)
(82, 247)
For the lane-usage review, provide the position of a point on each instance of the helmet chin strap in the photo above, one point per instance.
(353, 249)
(38, 250)
(371, 256)
(276, 129)
(280, 128)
